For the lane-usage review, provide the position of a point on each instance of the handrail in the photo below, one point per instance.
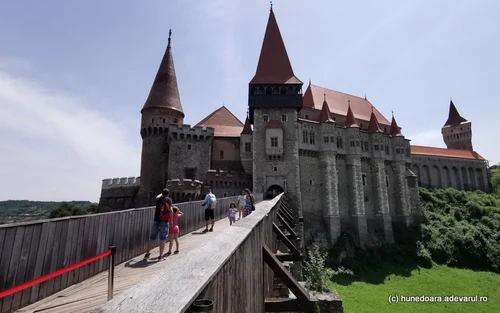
(111, 273)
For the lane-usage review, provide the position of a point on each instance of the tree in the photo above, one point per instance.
(494, 172)
(66, 209)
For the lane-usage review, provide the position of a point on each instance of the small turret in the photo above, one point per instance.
(246, 154)
(457, 131)
(350, 121)
(324, 115)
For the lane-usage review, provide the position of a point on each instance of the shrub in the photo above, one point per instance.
(317, 275)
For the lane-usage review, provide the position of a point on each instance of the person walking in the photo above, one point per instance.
(249, 202)
(232, 213)
(161, 223)
(174, 231)
(210, 203)
(241, 204)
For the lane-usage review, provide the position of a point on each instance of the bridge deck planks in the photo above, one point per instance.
(91, 294)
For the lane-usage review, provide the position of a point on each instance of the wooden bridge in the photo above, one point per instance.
(234, 269)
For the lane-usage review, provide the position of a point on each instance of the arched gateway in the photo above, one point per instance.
(273, 191)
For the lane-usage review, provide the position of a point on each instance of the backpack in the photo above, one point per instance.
(213, 200)
(165, 210)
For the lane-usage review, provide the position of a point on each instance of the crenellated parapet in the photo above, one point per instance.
(109, 183)
(183, 189)
(185, 132)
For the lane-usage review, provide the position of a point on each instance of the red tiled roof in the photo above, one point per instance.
(224, 122)
(324, 115)
(443, 152)
(350, 121)
(395, 130)
(247, 129)
(337, 102)
(374, 126)
(274, 66)
(164, 92)
(274, 124)
(453, 116)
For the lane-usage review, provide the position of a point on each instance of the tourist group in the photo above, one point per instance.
(166, 218)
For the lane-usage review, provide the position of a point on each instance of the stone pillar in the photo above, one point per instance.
(331, 216)
(357, 197)
(382, 213)
(402, 192)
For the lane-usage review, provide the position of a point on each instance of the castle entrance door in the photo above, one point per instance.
(273, 191)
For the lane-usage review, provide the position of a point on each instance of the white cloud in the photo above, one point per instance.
(432, 138)
(53, 147)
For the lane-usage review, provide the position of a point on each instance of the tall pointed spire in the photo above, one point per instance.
(395, 131)
(374, 126)
(274, 65)
(247, 129)
(324, 115)
(453, 116)
(164, 92)
(350, 121)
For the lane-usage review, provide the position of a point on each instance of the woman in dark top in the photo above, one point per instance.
(249, 202)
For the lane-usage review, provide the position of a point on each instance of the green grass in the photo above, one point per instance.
(359, 296)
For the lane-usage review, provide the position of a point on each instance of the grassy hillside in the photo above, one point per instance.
(24, 210)
(359, 296)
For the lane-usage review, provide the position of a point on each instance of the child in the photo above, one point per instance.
(232, 213)
(173, 233)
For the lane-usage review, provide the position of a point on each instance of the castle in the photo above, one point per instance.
(342, 163)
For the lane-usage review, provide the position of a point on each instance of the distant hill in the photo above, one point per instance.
(13, 211)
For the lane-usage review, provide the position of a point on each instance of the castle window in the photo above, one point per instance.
(364, 180)
(386, 149)
(332, 139)
(307, 117)
(269, 90)
(265, 118)
(312, 139)
(274, 141)
(361, 125)
(339, 143)
(189, 146)
(366, 198)
(310, 182)
(325, 139)
(377, 147)
(163, 121)
(357, 143)
(275, 169)
(221, 154)
(248, 146)
(189, 173)
(225, 194)
(385, 129)
(386, 181)
(176, 121)
(284, 118)
(352, 144)
(305, 137)
(152, 120)
(366, 146)
(398, 151)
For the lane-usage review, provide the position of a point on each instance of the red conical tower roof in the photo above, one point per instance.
(324, 115)
(350, 121)
(247, 129)
(274, 66)
(374, 126)
(164, 92)
(395, 131)
(453, 116)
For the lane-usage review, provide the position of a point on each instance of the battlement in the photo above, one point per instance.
(184, 182)
(186, 132)
(120, 182)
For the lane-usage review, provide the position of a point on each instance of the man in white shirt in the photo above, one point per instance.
(210, 203)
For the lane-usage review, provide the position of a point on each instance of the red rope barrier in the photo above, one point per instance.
(44, 278)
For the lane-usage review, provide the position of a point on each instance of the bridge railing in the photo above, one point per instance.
(33, 249)
(233, 272)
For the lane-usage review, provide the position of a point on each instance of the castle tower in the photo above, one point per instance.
(400, 158)
(354, 177)
(382, 214)
(457, 131)
(275, 97)
(329, 172)
(246, 147)
(162, 108)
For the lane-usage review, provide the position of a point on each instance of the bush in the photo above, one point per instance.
(317, 275)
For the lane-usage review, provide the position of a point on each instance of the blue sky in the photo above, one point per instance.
(75, 74)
